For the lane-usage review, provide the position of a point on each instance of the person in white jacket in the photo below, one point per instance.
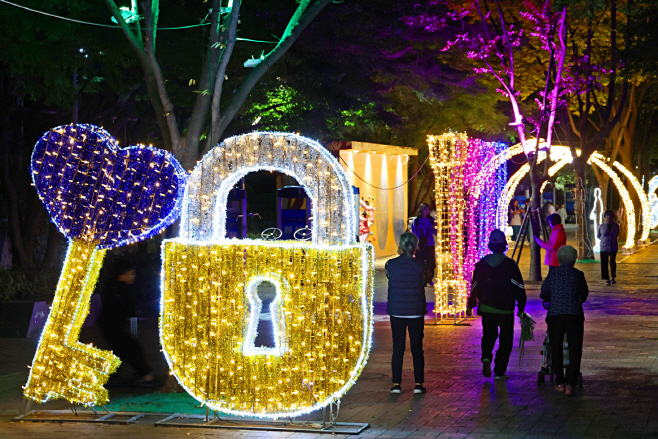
(563, 213)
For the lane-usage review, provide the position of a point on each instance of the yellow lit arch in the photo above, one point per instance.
(563, 156)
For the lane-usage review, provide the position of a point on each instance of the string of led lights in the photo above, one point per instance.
(47, 14)
(596, 215)
(644, 200)
(488, 196)
(384, 188)
(469, 179)
(597, 159)
(114, 26)
(475, 151)
(653, 201)
(312, 165)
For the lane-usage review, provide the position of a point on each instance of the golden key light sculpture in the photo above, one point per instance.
(322, 313)
(100, 196)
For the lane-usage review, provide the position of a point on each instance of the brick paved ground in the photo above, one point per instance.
(620, 397)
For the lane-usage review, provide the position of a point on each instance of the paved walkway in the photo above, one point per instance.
(619, 399)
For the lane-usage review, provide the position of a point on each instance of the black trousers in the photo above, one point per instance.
(491, 323)
(604, 265)
(124, 346)
(416, 327)
(427, 254)
(573, 326)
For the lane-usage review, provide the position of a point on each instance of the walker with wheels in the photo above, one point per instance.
(547, 367)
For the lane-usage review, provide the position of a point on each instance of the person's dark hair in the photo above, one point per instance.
(123, 266)
(515, 202)
(609, 212)
(423, 206)
(498, 248)
(408, 243)
(555, 219)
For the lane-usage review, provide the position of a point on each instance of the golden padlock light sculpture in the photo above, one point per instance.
(322, 314)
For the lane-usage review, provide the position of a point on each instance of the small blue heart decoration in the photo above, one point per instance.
(100, 193)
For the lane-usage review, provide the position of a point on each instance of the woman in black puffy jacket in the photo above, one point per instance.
(407, 307)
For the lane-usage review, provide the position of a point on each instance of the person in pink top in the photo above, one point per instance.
(558, 239)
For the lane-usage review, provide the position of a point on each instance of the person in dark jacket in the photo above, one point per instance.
(424, 227)
(565, 289)
(496, 288)
(118, 300)
(608, 233)
(407, 307)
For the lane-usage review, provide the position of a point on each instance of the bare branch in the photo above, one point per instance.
(231, 38)
(558, 78)
(134, 40)
(168, 106)
(257, 72)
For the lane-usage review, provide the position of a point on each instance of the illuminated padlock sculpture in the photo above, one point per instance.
(322, 314)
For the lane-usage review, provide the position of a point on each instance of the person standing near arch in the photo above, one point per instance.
(407, 306)
(515, 218)
(424, 227)
(563, 214)
(558, 239)
(608, 233)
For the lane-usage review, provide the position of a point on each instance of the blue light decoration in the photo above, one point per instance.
(485, 176)
(100, 197)
(97, 192)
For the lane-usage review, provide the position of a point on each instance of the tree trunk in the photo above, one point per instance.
(534, 273)
(54, 246)
(19, 254)
(604, 182)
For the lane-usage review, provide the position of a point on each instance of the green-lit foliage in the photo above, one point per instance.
(275, 111)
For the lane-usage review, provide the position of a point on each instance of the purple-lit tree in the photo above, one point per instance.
(492, 40)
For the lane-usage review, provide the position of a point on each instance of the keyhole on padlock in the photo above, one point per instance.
(267, 294)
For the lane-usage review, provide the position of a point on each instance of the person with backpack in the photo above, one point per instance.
(496, 288)
(407, 307)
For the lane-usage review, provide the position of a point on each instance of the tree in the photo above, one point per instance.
(492, 39)
(588, 95)
(629, 139)
(383, 83)
(184, 139)
(51, 71)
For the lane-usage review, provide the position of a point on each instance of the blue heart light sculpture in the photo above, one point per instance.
(100, 196)
(98, 192)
